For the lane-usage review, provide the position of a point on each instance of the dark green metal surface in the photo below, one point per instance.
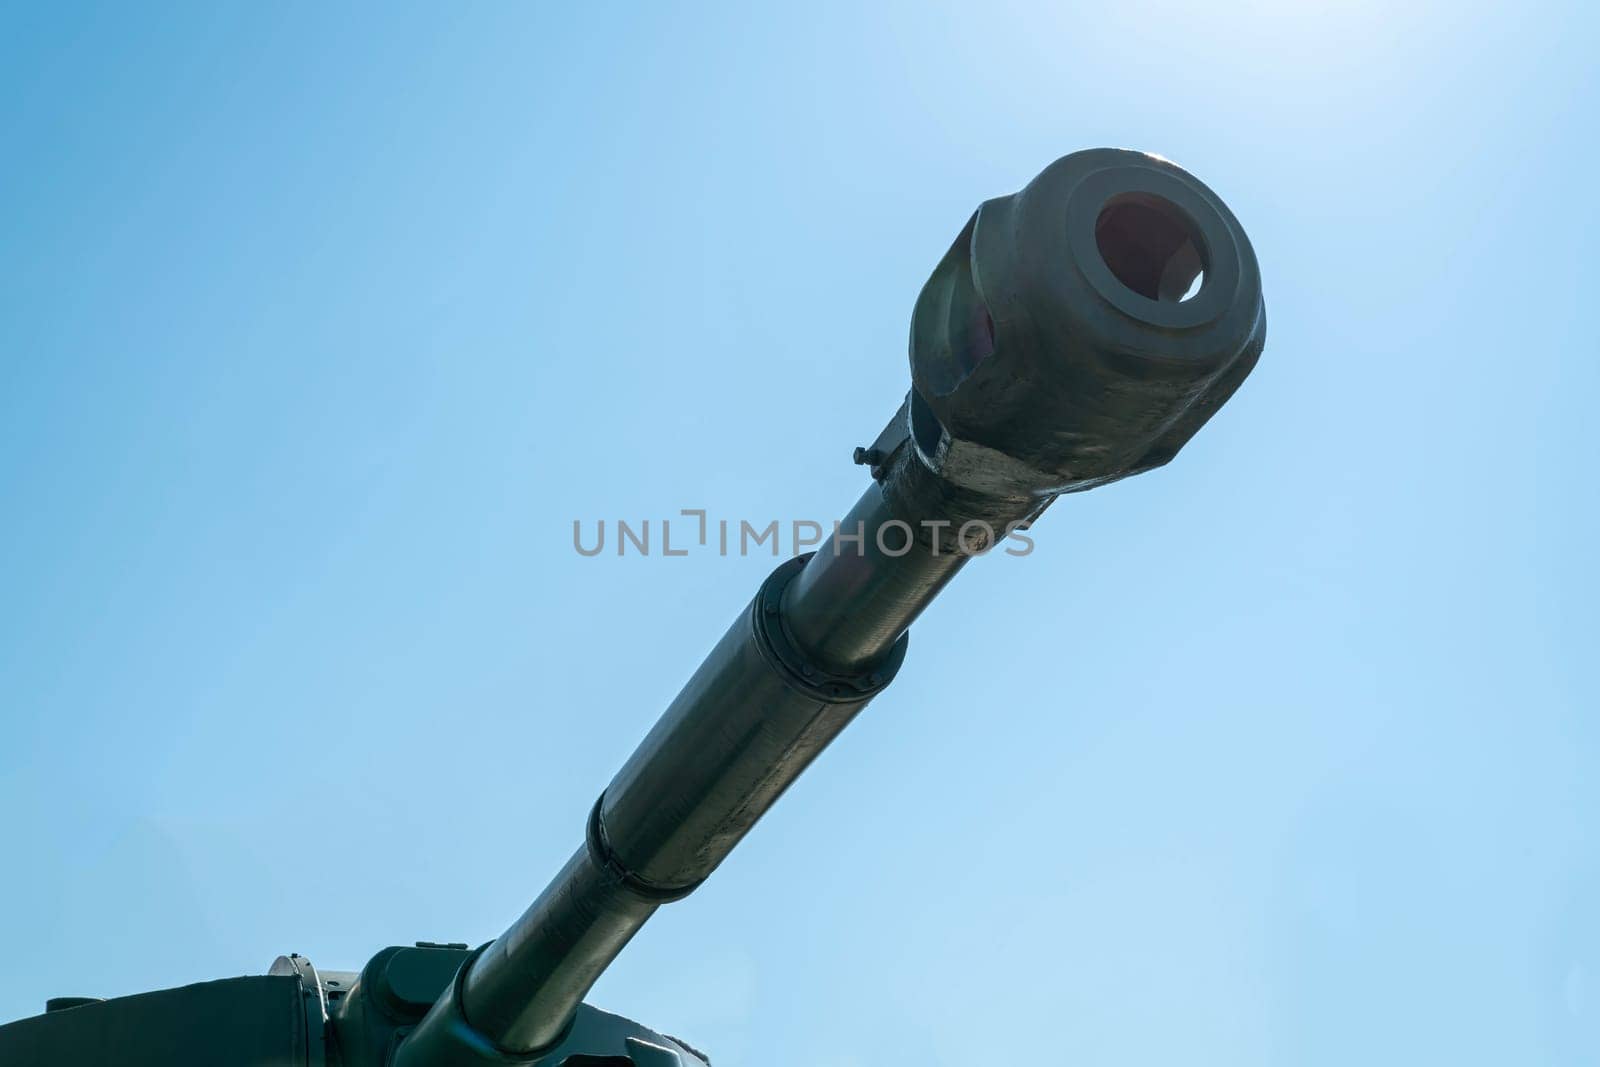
(240, 1022)
(1077, 332)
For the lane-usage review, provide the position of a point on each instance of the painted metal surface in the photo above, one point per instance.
(1076, 332)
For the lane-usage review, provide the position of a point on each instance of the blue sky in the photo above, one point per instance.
(318, 329)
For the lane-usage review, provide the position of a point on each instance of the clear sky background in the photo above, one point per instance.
(319, 327)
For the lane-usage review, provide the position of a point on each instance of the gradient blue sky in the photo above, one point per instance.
(320, 326)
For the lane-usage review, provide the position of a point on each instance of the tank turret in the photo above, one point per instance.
(1076, 332)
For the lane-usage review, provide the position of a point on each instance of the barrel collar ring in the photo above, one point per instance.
(799, 671)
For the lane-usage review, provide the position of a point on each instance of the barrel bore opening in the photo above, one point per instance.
(1151, 246)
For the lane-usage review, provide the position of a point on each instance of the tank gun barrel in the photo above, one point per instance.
(1077, 332)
